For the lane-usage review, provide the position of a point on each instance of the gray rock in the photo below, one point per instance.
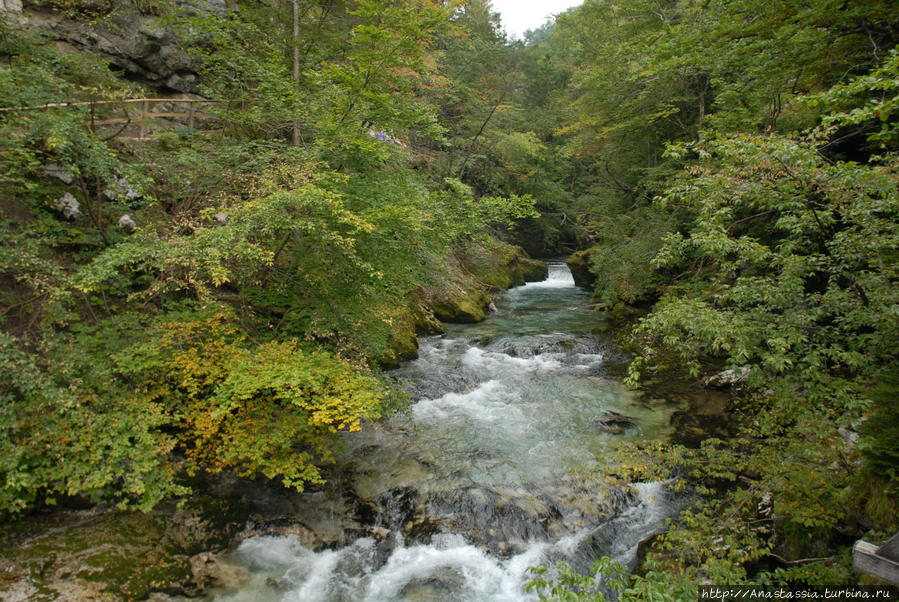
(182, 81)
(130, 41)
(12, 6)
(126, 222)
(58, 171)
(194, 7)
(68, 205)
(210, 570)
(121, 189)
(727, 378)
(613, 422)
(221, 218)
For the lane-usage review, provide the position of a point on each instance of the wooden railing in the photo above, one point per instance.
(141, 116)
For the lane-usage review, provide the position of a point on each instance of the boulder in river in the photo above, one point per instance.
(613, 422)
(727, 378)
(579, 264)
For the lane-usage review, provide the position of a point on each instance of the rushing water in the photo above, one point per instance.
(478, 487)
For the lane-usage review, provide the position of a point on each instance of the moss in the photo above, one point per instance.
(579, 264)
(403, 345)
(459, 294)
(425, 320)
(500, 265)
(464, 305)
(117, 555)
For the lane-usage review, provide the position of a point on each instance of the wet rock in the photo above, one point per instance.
(68, 206)
(644, 547)
(613, 422)
(210, 570)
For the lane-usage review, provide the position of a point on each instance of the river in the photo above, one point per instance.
(480, 482)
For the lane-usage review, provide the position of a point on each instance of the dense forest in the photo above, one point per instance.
(225, 286)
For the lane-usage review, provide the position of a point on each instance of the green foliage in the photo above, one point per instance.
(793, 263)
(608, 576)
(783, 496)
(36, 74)
(624, 245)
(770, 250)
(296, 233)
(870, 100)
(270, 409)
(880, 432)
(67, 432)
(567, 585)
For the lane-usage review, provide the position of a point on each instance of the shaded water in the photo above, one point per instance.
(479, 487)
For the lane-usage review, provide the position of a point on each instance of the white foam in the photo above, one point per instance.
(448, 563)
(450, 558)
(589, 360)
(448, 566)
(490, 401)
(559, 277)
(500, 363)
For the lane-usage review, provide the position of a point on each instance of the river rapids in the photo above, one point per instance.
(482, 481)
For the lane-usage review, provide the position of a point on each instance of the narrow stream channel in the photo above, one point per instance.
(478, 485)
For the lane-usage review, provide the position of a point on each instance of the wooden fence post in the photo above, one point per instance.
(143, 115)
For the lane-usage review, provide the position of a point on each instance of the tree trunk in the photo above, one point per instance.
(296, 67)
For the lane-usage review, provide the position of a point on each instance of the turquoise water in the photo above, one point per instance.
(477, 486)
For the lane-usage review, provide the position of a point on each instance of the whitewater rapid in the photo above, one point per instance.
(480, 488)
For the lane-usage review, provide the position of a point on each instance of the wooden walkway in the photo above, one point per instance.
(882, 562)
(137, 112)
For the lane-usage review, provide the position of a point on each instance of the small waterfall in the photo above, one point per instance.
(480, 489)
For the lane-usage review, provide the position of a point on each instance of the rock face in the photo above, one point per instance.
(461, 294)
(579, 264)
(130, 41)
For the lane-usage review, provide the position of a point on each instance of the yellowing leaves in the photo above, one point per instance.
(269, 409)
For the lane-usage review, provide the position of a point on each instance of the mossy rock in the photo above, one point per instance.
(425, 321)
(579, 264)
(501, 265)
(461, 293)
(462, 305)
(115, 555)
(403, 345)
